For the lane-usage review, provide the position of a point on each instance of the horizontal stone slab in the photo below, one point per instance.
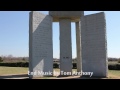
(73, 15)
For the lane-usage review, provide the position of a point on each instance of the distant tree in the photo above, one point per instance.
(10, 57)
(1, 60)
(119, 60)
(23, 59)
(112, 59)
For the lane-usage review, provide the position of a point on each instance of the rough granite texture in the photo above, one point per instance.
(40, 43)
(94, 45)
(91, 42)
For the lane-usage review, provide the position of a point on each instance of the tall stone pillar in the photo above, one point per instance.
(65, 46)
(94, 44)
(40, 45)
(78, 46)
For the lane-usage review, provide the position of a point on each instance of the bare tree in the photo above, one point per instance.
(9, 57)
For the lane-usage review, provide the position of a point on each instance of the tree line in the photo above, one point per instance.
(10, 58)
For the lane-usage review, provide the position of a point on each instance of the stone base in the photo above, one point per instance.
(64, 75)
(93, 77)
(33, 77)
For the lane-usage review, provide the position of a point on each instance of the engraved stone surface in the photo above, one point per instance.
(65, 45)
(40, 43)
(90, 41)
(94, 49)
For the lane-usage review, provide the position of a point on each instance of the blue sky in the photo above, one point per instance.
(14, 33)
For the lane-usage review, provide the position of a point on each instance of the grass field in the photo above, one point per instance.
(22, 70)
(114, 74)
(12, 70)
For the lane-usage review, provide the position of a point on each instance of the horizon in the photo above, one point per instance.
(14, 34)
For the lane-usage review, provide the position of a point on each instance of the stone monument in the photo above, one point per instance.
(90, 42)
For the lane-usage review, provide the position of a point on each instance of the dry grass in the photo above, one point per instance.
(12, 70)
(115, 74)
(112, 74)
